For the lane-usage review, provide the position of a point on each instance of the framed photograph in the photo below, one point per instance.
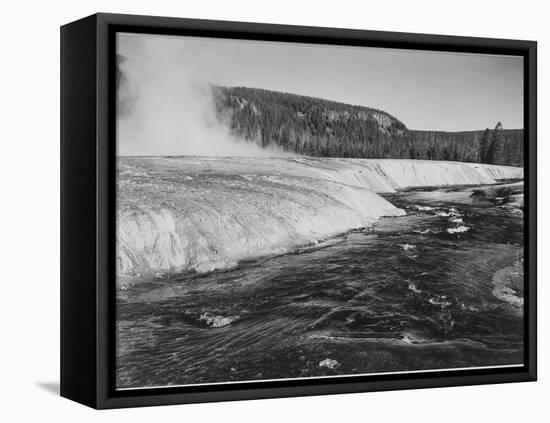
(254, 211)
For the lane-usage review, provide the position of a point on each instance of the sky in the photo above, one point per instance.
(425, 90)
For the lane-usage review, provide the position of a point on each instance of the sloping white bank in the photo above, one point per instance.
(202, 214)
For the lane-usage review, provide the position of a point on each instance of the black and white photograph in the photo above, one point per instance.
(254, 212)
(300, 211)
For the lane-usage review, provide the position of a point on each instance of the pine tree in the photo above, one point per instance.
(484, 146)
(496, 149)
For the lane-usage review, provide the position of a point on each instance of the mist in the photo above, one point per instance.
(165, 109)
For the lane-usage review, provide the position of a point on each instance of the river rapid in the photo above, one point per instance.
(437, 288)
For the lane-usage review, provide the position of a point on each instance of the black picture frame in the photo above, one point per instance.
(88, 153)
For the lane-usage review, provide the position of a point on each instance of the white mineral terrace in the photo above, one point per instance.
(204, 213)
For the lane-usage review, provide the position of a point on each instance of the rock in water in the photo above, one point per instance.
(407, 247)
(329, 363)
(458, 230)
(216, 321)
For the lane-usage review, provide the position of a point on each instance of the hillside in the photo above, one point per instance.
(323, 128)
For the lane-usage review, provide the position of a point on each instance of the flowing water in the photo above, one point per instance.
(421, 291)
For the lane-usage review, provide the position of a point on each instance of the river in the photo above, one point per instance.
(416, 292)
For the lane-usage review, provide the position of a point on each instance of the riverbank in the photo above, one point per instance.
(508, 287)
(203, 213)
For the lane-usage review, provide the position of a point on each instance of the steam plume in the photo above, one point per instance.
(165, 110)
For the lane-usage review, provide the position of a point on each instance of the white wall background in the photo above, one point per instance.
(29, 234)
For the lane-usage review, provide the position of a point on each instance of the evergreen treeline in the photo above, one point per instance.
(323, 128)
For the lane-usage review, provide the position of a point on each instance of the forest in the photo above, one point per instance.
(323, 128)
